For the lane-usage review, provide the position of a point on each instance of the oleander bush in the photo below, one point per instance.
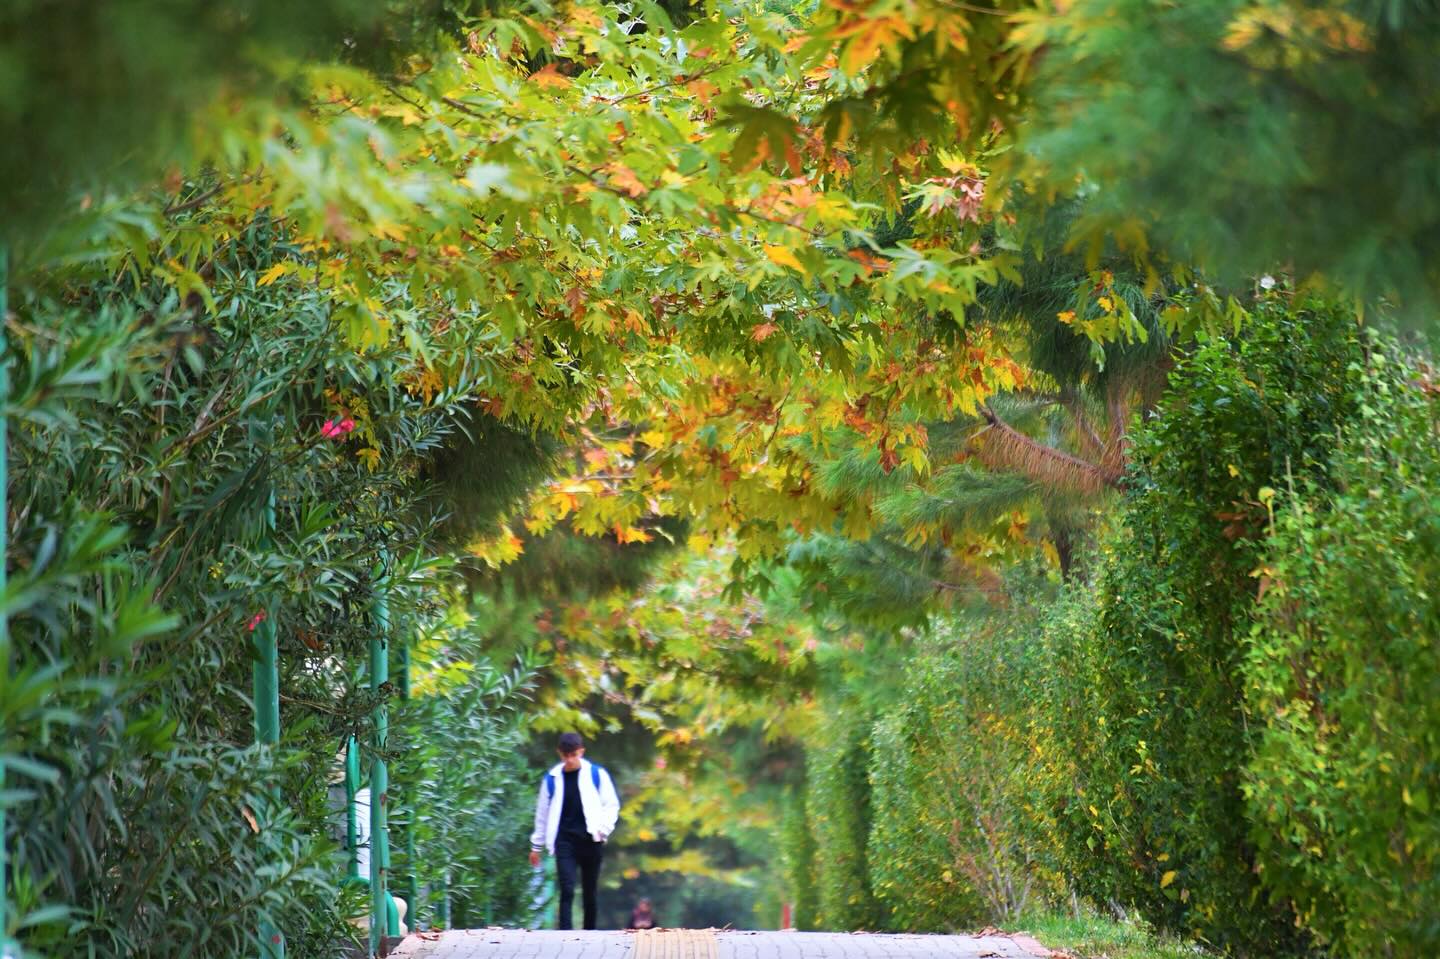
(179, 482)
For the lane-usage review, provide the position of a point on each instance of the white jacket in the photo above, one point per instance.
(600, 804)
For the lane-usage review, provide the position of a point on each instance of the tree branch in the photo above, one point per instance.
(1012, 449)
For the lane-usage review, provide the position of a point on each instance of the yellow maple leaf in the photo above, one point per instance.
(631, 534)
(783, 256)
(272, 274)
(869, 37)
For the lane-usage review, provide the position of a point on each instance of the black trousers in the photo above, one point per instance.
(582, 854)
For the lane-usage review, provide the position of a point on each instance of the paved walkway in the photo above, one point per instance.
(709, 944)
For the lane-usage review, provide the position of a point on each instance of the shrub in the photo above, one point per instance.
(1157, 814)
(954, 843)
(175, 477)
(797, 848)
(1343, 682)
(838, 802)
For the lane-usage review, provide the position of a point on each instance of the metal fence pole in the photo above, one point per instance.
(267, 717)
(379, 776)
(352, 824)
(412, 886)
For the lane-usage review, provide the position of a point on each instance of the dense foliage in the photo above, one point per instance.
(460, 767)
(952, 845)
(1341, 678)
(1245, 123)
(839, 807)
(1220, 732)
(1158, 814)
(768, 387)
(184, 486)
(797, 847)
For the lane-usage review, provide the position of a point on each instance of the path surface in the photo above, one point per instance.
(708, 944)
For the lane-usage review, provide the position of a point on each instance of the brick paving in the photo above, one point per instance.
(690, 944)
(518, 944)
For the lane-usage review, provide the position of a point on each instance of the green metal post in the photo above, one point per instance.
(412, 886)
(267, 716)
(5, 949)
(352, 824)
(379, 778)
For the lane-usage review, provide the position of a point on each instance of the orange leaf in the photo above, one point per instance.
(763, 332)
(549, 77)
(623, 178)
(575, 300)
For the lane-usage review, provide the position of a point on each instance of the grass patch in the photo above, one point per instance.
(1099, 937)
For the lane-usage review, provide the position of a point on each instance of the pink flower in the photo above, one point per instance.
(332, 430)
(660, 763)
(255, 620)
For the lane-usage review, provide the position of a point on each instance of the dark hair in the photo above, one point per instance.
(569, 742)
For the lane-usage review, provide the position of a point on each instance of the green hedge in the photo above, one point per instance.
(1235, 731)
(954, 842)
(797, 848)
(1343, 683)
(838, 803)
(1156, 818)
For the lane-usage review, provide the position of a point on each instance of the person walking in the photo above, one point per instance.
(576, 811)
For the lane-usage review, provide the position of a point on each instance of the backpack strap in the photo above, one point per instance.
(550, 781)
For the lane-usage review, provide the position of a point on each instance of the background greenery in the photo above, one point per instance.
(935, 515)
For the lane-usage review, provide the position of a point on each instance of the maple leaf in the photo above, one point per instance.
(623, 178)
(868, 36)
(869, 262)
(549, 77)
(703, 90)
(631, 534)
(763, 133)
(763, 332)
(783, 256)
(575, 300)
